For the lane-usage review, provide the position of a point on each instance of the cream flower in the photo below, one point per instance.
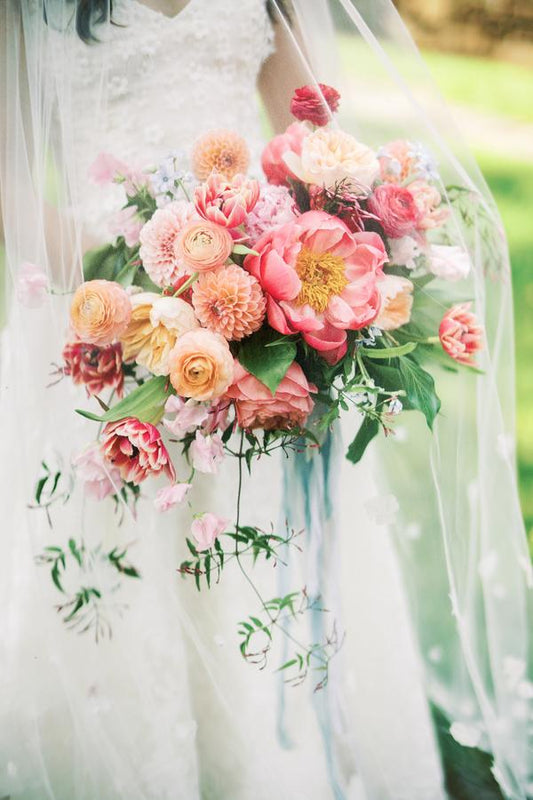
(396, 302)
(329, 156)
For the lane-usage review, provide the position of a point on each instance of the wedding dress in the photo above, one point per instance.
(167, 708)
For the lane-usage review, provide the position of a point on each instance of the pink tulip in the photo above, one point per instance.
(460, 334)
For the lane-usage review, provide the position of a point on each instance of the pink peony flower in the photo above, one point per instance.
(320, 279)
(396, 209)
(170, 496)
(274, 167)
(94, 367)
(315, 104)
(190, 415)
(136, 449)
(257, 407)
(32, 285)
(460, 334)
(206, 528)
(229, 301)
(226, 202)
(158, 240)
(432, 212)
(100, 478)
(126, 223)
(275, 207)
(207, 453)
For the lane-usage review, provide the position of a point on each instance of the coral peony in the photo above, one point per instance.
(155, 326)
(206, 528)
(220, 151)
(94, 367)
(171, 496)
(230, 302)
(32, 285)
(203, 245)
(396, 209)
(272, 158)
(315, 104)
(460, 334)
(100, 479)
(136, 449)
(432, 212)
(275, 206)
(320, 279)
(158, 242)
(329, 156)
(207, 452)
(396, 302)
(257, 407)
(201, 365)
(226, 202)
(100, 312)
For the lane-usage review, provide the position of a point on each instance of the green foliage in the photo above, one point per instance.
(145, 403)
(368, 430)
(53, 486)
(268, 356)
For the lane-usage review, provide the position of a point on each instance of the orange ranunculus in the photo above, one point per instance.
(100, 312)
(201, 365)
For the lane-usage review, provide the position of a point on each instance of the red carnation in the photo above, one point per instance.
(315, 103)
(94, 367)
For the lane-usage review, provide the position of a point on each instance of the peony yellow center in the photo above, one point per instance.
(322, 275)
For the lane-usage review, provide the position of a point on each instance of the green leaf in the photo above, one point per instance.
(268, 364)
(146, 403)
(388, 352)
(99, 263)
(143, 280)
(242, 250)
(368, 430)
(419, 388)
(126, 275)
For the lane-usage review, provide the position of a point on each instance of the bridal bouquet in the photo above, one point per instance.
(231, 317)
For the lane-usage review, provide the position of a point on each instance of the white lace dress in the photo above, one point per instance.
(167, 709)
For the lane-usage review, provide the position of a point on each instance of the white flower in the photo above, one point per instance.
(404, 251)
(449, 263)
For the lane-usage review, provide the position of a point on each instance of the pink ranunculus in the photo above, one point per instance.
(206, 528)
(432, 211)
(158, 239)
(320, 279)
(274, 167)
(136, 449)
(396, 209)
(170, 496)
(315, 104)
(100, 478)
(94, 367)
(32, 285)
(207, 453)
(257, 407)
(225, 202)
(190, 415)
(275, 206)
(128, 224)
(461, 334)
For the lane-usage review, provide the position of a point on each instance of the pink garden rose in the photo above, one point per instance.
(461, 335)
(94, 367)
(320, 279)
(396, 209)
(226, 202)
(32, 285)
(315, 104)
(206, 528)
(136, 449)
(207, 453)
(257, 407)
(100, 478)
(274, 167)
(159, 238)
(171, 496)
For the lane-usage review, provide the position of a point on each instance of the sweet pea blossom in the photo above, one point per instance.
(404, 251)
(100, 479)
(128, 224)
(32, 285)
(449, 262)
(207, 452)
(190, 415)
(206, 528)
(170, 496)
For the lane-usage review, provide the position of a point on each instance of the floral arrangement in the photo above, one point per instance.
(231, 317)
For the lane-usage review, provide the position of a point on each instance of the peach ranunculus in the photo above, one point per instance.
(274, 167)
(203, 246)
(222, 151)
(229, 301)
(226, 202)
(396, 302)
(257, 407)
(100, 312)
(461, 334)
(136, 449)
(158, 242)
(155, 326)
(201, 365)
(432, 211)
(330, 156)
(320, 279)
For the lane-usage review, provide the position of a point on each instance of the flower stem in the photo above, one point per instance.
(188, 283)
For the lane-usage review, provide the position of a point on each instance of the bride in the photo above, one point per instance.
(425, 570)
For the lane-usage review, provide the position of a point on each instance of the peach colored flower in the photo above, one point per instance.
(203, 246)
(158, 242)
(206, 528)
(201, 365)
(257, 407)
(230, 302)
(226, 202)
(136, 449)
(155, 326)
(329, 156)
(433, 212)
(94, 367)
(100, 312)
(220, 151)
(396, 302)
(461, 334)
(272, 161)
(397, 161)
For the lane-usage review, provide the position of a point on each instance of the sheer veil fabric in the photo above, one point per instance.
(418, 552)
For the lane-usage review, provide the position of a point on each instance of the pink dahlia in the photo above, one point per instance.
(396, 209)
(257, 407)
(229, 301)
(136, 449)
(158, 240)
(320, 279)
(274, 167)
(460, 334)
(226, 202)
(315, 104)
(94, 367)
(275, 206)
